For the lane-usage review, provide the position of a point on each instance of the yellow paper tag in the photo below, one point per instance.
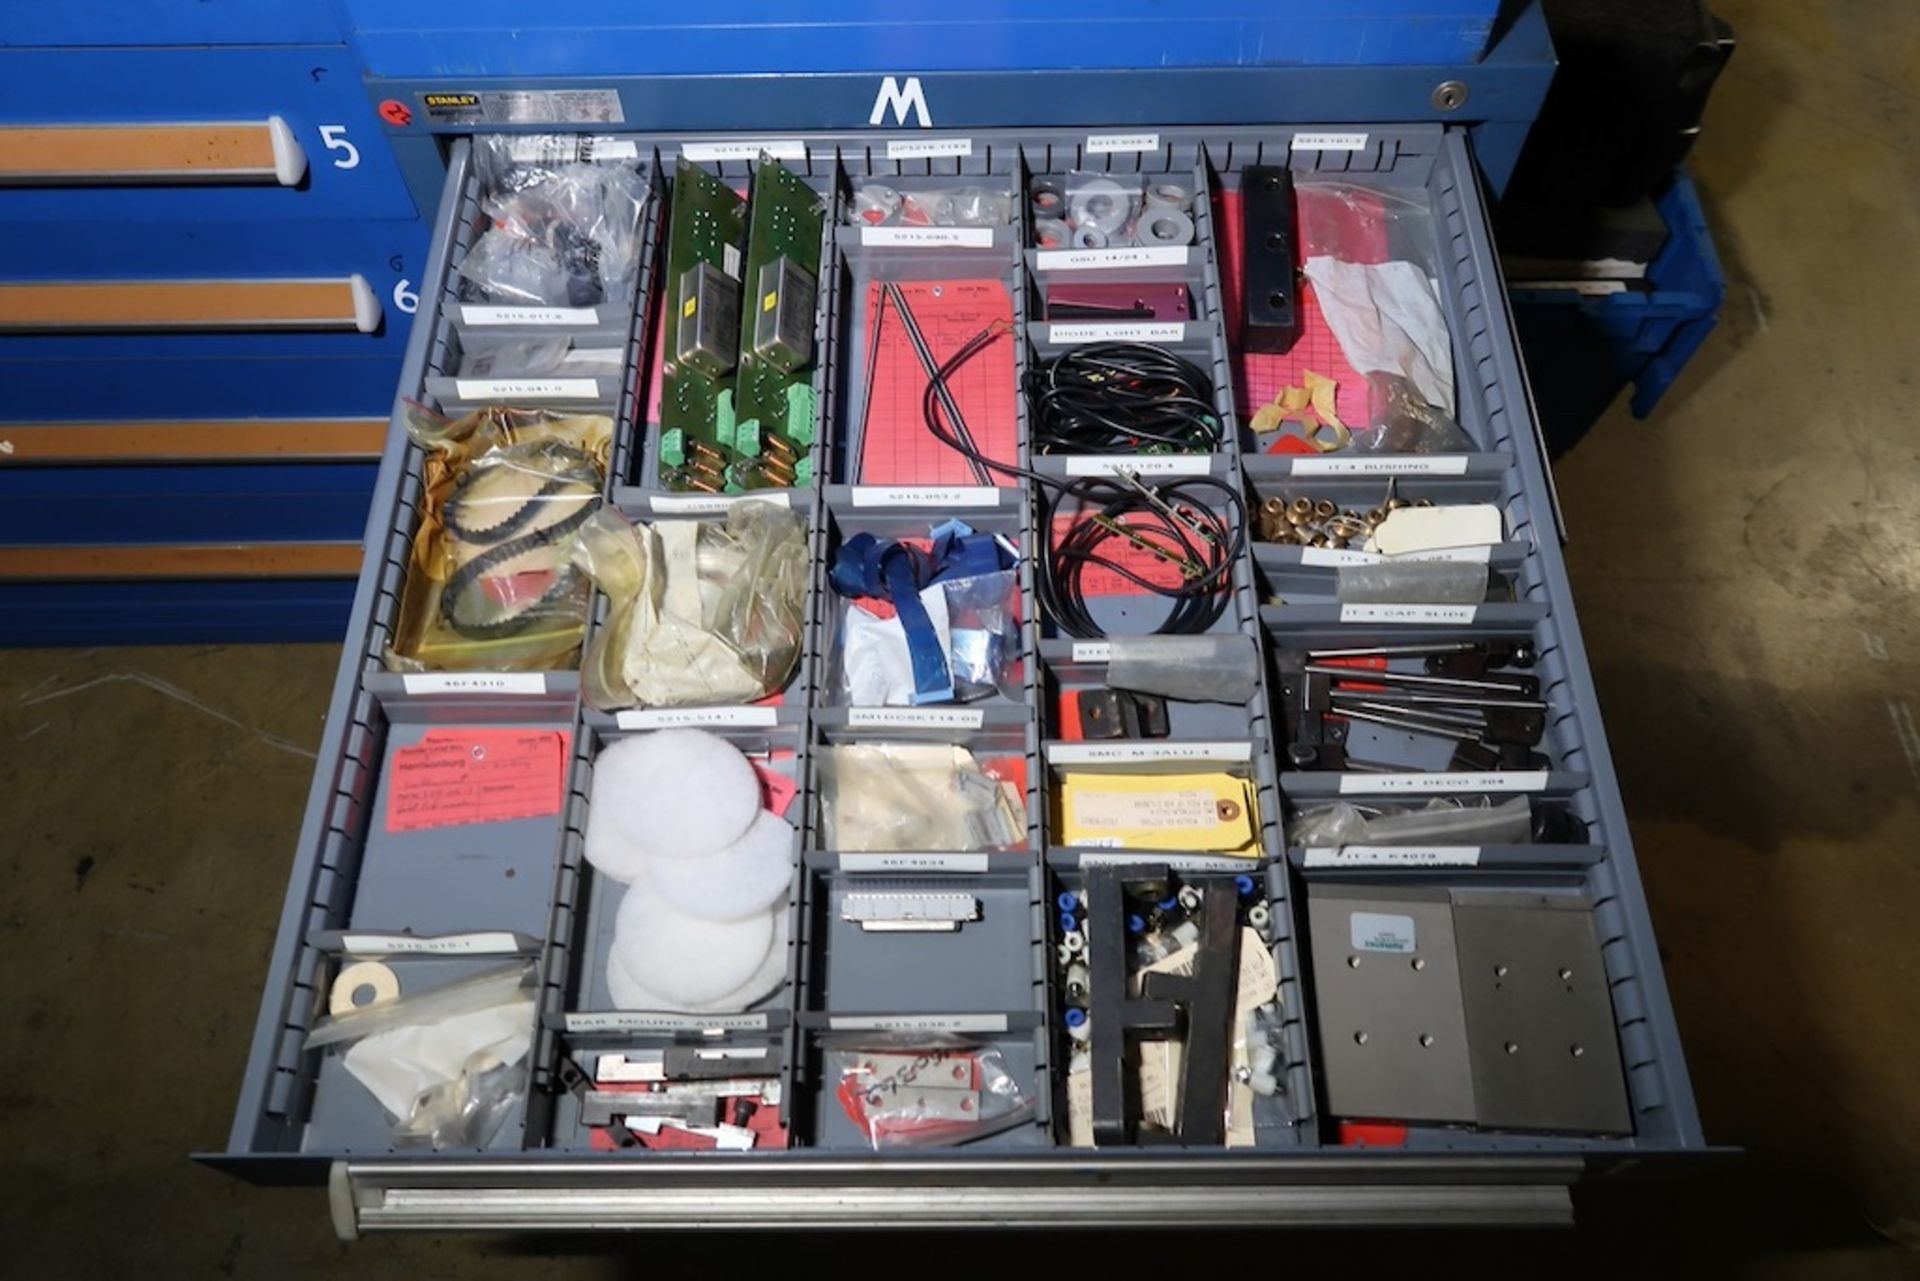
(1199, 812)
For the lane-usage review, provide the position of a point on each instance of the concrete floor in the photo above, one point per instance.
(1746, 570)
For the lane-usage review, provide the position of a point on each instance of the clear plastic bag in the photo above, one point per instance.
(447, 1065)
(1400, 421)
(1441, 821)
(1091, 210)
(924, 1093)
(565, 231)
(1372, 257)
(489, 585)
(701, 613)
(891, 797)
(977, 621)
(880, 205)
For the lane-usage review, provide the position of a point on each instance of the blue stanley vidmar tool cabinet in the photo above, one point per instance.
(1429, 98)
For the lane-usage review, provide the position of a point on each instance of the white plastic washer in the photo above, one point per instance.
(1100, 202)
(1088, 236)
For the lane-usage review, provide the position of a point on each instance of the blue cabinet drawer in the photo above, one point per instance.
(164, 22)
(314, 92)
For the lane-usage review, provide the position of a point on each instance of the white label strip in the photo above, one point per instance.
(535, 147)
(1145, 465)
(1393, 856)
(1523, 780)
(640, 1021)
(926, 496)
(913, 862)
(928, 237)
(1095, 259)
(1093, 651)
(707, 504)
(1329, 142)
(1095, 753)
(744, 149)
(923, 148)
(666, 717)
(1326, 556)
(1381, 465)
(1107, 144)
(918, 1023)
(1068, 334)
(474, 683)
(480, 314)
(730, 261)
(1452, 615)
(917, 717)
(488, 943)
(1382, 932)
(1178, 862)
(526, 388)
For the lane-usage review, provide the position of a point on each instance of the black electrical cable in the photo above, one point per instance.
(1185, 523)
(1121, 398)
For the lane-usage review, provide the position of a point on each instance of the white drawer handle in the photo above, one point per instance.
(182, 153)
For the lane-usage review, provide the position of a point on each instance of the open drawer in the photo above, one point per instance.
(881, 936)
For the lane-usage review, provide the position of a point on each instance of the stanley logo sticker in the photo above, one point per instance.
(451, 100)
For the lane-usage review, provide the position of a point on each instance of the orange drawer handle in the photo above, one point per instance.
(239, 440)
(180, 560)
(236, 151)
(135, 305)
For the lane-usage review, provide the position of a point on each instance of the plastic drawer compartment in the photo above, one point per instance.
(370, 883)
(1018, 1040)
(872, 950)
(1289, 1121)
(849, 512)
(637, 463)
(787, 706)
(845, 978)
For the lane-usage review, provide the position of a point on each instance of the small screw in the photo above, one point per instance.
(1449, 95)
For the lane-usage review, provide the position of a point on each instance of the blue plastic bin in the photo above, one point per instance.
(1582, 349)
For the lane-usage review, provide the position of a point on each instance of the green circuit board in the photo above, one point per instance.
(773, 400)
(705, 257)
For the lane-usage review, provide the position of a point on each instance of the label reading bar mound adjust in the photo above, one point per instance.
(646, 1021)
